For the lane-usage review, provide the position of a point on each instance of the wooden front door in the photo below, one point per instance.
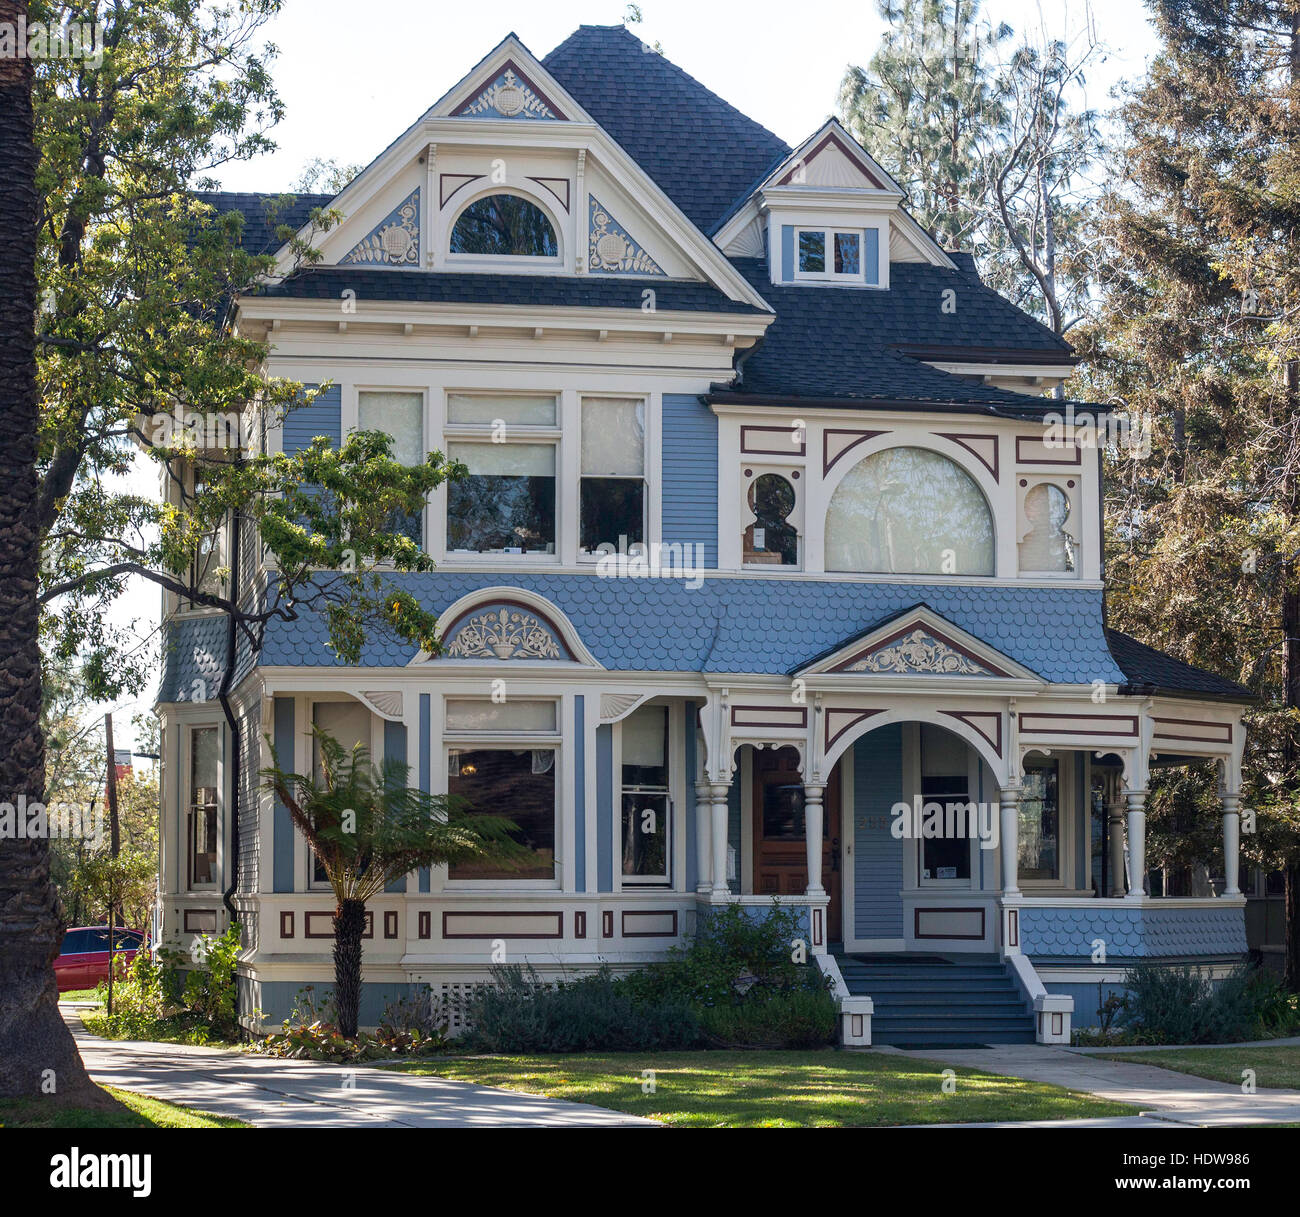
(780, 850)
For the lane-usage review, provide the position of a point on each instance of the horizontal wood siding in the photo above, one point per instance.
(877, 854)
(690, 475)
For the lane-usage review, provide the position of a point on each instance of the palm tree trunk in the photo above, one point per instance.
(349, 925)
(37, 1052)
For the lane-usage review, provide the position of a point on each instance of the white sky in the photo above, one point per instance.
(351, 86)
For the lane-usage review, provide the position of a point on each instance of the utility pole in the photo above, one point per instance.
(115, 847)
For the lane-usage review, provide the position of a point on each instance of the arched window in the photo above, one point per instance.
(909, 511)
(504, 225)
(771, 538)
(1047, 546)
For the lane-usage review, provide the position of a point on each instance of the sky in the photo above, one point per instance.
(351, 87)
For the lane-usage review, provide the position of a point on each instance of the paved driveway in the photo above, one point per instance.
(272, 1093)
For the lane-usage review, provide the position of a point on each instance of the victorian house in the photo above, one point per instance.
(785, 558)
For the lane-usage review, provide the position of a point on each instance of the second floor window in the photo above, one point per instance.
(401, 417)
(613, 499)
(507, 503)
(828, 253)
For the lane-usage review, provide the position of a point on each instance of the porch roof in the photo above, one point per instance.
(1147, 670)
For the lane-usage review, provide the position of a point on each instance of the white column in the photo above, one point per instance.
(1231, 842)
(1115, 842)
(1010, 798)
(1137, 844)
(812, 813)
(719, 794)
(703, 835)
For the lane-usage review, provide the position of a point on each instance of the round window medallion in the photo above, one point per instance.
(509, 100)
(611, 249)
(396, 242)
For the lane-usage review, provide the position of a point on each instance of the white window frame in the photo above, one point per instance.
(516, 433)
(586, 555)
(353, 425)
(668, 881)
(828, 233)
(1069, 866)
(306, 761)
(505, 263)
(917, 772)
(501, 741)
(187, 790)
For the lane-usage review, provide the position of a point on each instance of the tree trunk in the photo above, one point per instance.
(349, 925)
(37, 1052)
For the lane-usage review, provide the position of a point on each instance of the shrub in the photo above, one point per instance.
(1182, 1006)
(519, 1012)
(408, 1027)
(801, 1018)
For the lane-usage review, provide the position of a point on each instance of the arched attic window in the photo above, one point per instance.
(504, 226)
(909, 511)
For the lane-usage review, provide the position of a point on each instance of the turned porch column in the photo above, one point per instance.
(1115, 845)
(1137, 844)
(1010, 802)
(1231, 842)
(703, 835)
(719, 795)
(812, 822)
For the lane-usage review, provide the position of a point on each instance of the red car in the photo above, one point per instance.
(83, 961)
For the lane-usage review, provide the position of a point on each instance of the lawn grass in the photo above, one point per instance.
(79, 995)
(1274, 1067)
(816, 1089)
(116, 1109)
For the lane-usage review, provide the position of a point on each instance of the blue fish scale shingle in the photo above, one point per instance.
(1132, 933)
(193, 651)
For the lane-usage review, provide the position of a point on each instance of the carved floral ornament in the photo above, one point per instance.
(611, 250)
(509, 97)
(504, 633)
(919, 652)
(396, 240)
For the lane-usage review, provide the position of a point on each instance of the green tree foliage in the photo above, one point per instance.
(1198, 334)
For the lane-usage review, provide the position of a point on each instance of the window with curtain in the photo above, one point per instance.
(1047, 546)
(507, 503)
(646, 803)
(909, 511)
(400, 416)
(203, 810)
(612, 497)
(504, 225)
(510, 771)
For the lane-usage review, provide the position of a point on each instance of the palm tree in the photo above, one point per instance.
(37, 1052)
(367, 827)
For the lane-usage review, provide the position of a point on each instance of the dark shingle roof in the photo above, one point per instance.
(702, 152)
(1146, 668)
(830, 342)
(536, 291)
(264, 213)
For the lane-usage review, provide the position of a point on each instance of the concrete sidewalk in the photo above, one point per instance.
(1165, 1098)
(271, 1093)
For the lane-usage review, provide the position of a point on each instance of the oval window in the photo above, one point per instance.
(909, 511)
(504, 225)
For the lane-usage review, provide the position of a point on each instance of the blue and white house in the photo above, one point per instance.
(773, 554)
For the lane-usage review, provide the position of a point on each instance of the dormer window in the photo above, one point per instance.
(829, 254)
(504, 226)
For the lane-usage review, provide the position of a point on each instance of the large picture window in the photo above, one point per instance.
(203, 808)
(507, 503)
(504, 225)
(502, 761)
(612, 496)
(909, 511)
(401, 417)
(1040, 822)
(646, 801)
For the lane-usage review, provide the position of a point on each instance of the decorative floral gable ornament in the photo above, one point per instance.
(919, 652)
(611, 250)
(395, 240)
(508, 97)
(504, 632)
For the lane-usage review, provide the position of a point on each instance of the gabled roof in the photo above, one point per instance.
(702, 152)
(1150, 671)
(841, 343)
(264, 213)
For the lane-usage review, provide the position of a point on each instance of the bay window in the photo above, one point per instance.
(612, 497)
(507, 503)
(646, 807)
(502, 760)
(203, 806)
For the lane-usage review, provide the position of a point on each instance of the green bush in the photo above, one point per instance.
(519, 1012)
(408, 1027)
(801, 1018)
(1183, 1006)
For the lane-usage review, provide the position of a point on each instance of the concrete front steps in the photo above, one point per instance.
(933, 1001)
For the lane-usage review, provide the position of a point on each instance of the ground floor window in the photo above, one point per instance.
(945, 783)
(501, 762)
(348, 723)
(203, 808)
(646, 803)
(1040, 822)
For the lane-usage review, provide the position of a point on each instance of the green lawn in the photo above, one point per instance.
(118, 1109)
(774, 1089)
(79, 995)
(1274, 1067)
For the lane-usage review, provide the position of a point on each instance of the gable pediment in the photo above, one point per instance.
(509, 94)
(918, 643)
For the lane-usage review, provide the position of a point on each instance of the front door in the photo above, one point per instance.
(780, 850)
